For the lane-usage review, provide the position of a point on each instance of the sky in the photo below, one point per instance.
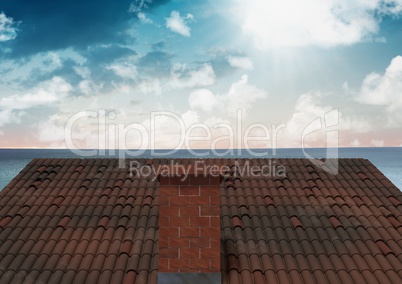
(150, 74)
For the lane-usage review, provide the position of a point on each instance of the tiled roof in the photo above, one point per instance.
(78, 221)
(89, 221)
(312, 227)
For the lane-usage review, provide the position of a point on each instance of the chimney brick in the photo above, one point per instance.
(189, 226)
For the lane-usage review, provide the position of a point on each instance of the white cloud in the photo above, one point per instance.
(240, 62)
(384, 92)
(52, 130)
(55, 60)
(384, 89)
(8, 30)
(179, 24)
(39, 64)
(204, 76)
(84, 132)
(377, 142)
(46, 93)
(190, 117)
(355, 123)
(308, 108)
(168, 128)
(7, 116)
(310, 118)
(355, 143)
(124, 70)
(87, 86)
(29, 100)
(143, 18)
(83, 72)
(203, 99)
(150, 86)
(241, 95)
(312, 22)
(137, 6)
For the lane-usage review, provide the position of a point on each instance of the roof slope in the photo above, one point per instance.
(76, 221)
(72, 220)
(312, 227)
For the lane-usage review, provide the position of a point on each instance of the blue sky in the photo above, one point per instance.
(151, 74)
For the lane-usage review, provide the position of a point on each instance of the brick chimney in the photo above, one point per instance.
(189, 225)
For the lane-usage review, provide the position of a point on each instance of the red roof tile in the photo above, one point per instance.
(88, 221)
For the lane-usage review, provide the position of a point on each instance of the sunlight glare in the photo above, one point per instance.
(275, 24)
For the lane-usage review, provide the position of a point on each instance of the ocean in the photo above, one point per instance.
(386, 159)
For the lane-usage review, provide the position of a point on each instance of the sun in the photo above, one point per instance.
(293, 23)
